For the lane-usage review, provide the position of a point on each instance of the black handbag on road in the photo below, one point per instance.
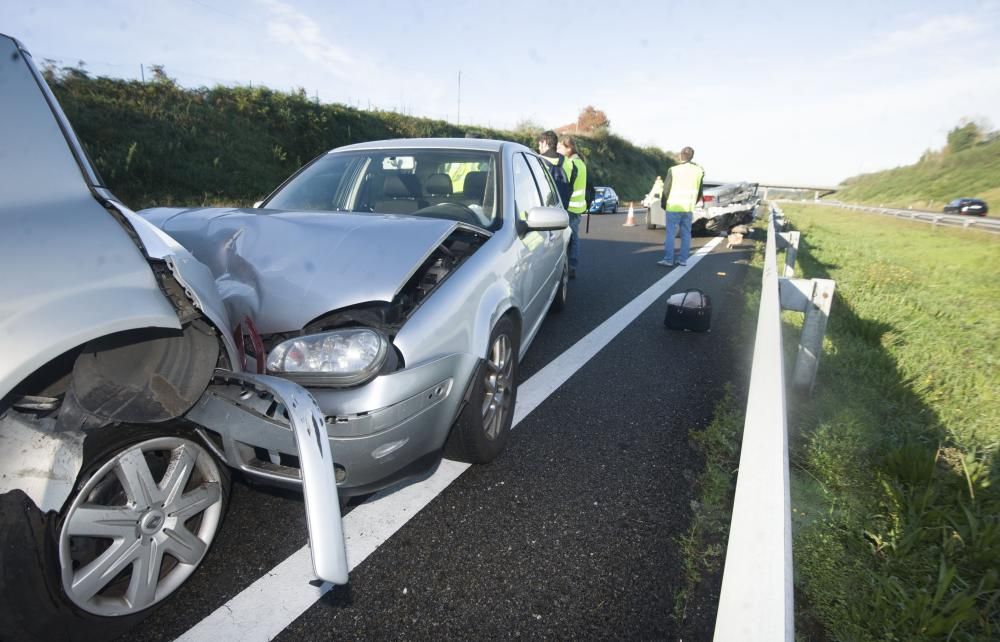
(689, 310)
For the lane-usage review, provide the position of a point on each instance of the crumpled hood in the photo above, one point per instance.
(286, 268)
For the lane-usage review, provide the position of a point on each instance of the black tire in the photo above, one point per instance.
(477, 437)
(33, 602)
(559, 303)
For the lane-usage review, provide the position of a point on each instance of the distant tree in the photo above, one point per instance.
(966, 135)
(160, 74)
(592, 120)
(528, 127)
(78, 72)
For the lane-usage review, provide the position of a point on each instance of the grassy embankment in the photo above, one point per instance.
(160, 144)
(896, 488)
(938, 178)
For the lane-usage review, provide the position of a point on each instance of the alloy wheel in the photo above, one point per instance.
(140, 526)
(498, 383)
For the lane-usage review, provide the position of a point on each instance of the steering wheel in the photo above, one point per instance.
(454, 211)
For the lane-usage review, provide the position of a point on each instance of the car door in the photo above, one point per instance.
(530, 269)
(555, 240)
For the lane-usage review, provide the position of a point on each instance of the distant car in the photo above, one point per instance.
(605, 201)
(401, 282)
(973, 206)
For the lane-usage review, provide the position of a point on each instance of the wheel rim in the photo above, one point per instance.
(498, 381)
(140, 526)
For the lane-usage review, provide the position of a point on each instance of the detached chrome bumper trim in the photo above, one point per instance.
(240, 406)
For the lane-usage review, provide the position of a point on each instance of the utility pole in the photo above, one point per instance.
(458, 121)
(142, 73)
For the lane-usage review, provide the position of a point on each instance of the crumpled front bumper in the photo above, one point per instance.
(239, 409)
(389, 429)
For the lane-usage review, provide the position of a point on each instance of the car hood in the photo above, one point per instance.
(286, 268)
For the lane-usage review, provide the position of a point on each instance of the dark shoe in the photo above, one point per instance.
(572, 274)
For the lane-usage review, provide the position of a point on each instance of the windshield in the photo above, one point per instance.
(458, 185)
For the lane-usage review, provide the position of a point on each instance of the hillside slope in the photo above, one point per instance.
(932, 182)
(160, 144)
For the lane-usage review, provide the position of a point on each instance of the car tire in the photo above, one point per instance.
(559, 303)
(483, 427)
(43, 587)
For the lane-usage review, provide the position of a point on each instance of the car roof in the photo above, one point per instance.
(472, 144)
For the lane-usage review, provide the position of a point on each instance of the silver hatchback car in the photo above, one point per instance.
(400, 282)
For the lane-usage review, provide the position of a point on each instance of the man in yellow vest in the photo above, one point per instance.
(681, 191)
(578, 197)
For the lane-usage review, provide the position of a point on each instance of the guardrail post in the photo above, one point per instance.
(790, 243)
(813, 330)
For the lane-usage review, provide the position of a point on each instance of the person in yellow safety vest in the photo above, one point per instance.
(681, 191)
(458, 171)
(578, 197)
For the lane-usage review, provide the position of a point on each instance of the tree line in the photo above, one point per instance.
(157, 143)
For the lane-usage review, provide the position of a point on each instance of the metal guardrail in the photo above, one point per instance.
(934, 218)
(756, 602)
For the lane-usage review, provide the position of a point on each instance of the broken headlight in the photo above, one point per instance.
(336, 358)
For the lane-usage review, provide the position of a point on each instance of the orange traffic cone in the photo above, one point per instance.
(630, 221)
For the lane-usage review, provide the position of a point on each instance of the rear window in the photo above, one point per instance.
(457, 185)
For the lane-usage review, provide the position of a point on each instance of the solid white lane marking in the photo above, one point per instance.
(269, 605)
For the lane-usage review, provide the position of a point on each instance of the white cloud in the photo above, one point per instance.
(360, 75)
(291, 27)
(937, 31)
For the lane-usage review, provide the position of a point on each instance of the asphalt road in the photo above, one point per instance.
(571, 532)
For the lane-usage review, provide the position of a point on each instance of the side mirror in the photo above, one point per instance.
(541, 219)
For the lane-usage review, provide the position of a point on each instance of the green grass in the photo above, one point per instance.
(895, 488)
(703, 546)
(933, 181)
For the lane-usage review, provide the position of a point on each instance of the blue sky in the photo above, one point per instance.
(786, 91)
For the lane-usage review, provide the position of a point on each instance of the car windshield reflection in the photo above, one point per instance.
(458, 185)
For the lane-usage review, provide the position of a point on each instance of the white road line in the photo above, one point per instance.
(266, 607)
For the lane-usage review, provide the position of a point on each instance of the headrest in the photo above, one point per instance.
(475, 185)
(401, 186)
(438, 185)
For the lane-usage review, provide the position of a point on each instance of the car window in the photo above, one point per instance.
(458, 185)
(525, 191)
(550, 198)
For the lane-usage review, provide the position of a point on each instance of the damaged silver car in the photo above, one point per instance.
(399, 281)
(116, 347)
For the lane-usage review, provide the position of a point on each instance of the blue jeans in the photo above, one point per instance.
(573, 251)
(675, 219)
